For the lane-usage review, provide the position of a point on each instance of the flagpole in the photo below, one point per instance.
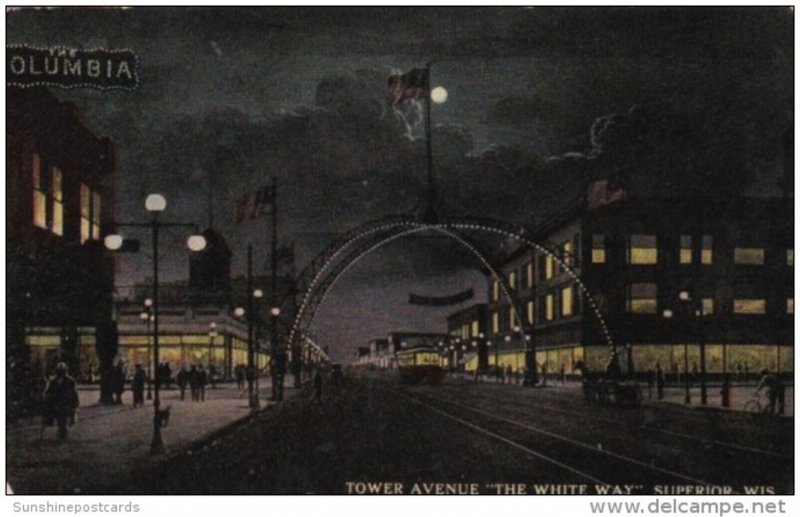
(273, 340)
(430, 214)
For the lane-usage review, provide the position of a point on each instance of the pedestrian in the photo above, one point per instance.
(193, 383)
(137, 386)
(118, 383)
(318, 386)
(746, 371)
(212, 375)
(60, 401)
(650, 381)
(202, 380)
(238, 372)
(510, 374)
(544, 374)
(725, 391)
(182, 379)
(90, 375)
(693, 376)
(168, 375)
(675, 373)
(738, 372)
(659, 382)
(774, 389)
(562, 373)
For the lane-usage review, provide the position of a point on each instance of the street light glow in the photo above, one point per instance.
(439, 95)
(275, 311)
(148, 302)
(258, 293)
(144, 316)
(113, 241)
(684, 296)
(667, 313)
(238, 311)
(196, 243)
(155, 203)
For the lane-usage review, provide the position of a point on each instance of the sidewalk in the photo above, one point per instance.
(110, 442)
(673, 394)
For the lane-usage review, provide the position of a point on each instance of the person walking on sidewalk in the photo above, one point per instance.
(182, 379)
(202, 379)
(137, 386)
(60, 400)
(194, 379)
(659, 382)
(118, 382)
(238, 372)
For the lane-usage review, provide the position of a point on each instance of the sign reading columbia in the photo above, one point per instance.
(71, 68)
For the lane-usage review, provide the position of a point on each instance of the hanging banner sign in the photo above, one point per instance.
(71, 68)
(441, 301)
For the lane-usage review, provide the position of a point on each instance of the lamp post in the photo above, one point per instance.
(212, 333)
(668, 314)
(155, 204)
(146, 316)
(694, 309)
(277, 362)
(255, 296)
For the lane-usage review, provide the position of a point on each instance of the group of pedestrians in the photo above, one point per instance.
(196, 379)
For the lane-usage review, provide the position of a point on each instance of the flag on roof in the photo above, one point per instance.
(407, 86)
(254, 204)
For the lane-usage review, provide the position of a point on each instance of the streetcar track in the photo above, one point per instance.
(598, 418)
(573, 442)
(503, 439)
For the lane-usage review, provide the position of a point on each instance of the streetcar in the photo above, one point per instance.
(419, 365)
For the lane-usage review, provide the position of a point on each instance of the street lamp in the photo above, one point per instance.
(155, 204)
(147, 317)
(668, 314)
(694, 309)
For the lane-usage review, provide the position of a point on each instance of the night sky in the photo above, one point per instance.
(540, 100)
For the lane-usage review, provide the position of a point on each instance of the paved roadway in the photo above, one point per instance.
(461, 436)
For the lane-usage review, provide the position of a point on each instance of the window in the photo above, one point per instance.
(58, 202)
(549, 307)
(598, 249)
(512, 279)
(512, 318)
(749, 306)
(707, 251)
(475, 328)
(642, 250)
(86, 211)
(748, 256)
(96, 215)
(790, 257)
(531, 312)
(790, 306)
(707, 306)
(495, 290)
(495, 322)
(642, 298)
(686, 249)
(566, 253)
(566, 302)
(39, 196)
(548, 267)
(529, 274)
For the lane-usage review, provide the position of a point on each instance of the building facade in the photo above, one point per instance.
(59, 197)
(678, 282)
(467, 344)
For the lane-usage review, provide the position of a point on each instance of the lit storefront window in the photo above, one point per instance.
(475, 329)
(686, 249)
(642, 250)
(749, 306)
(748, 256)
(790, 257)
(550, 307)
(790, 306)
(598, 249)
(642, 298)
(495, 322)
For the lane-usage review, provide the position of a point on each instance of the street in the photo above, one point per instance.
(373, 435)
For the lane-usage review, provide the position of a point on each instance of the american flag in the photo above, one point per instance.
(407, 86)
(254, 205)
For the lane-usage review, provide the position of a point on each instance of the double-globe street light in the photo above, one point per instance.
(147, 317)
(692, 309)
(155, 204)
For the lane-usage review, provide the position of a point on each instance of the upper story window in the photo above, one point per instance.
(790, 257)
(707, 251)
(512, 318)
(749, 306)
(495, 290)
(598, 249)
(475, 328)
(550, 308)
(39, 194)
(707, 306)
(748, 256)
(567, 254)
(512, 279)
(531, 312)
(642, 250)
(642, 298)
(58, 202)
(529, 273)
(686, 249)
(790, 306)
(495, 322)
(549, 267)
(566, 302)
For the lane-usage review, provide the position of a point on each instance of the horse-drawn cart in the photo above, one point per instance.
(609, 389)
